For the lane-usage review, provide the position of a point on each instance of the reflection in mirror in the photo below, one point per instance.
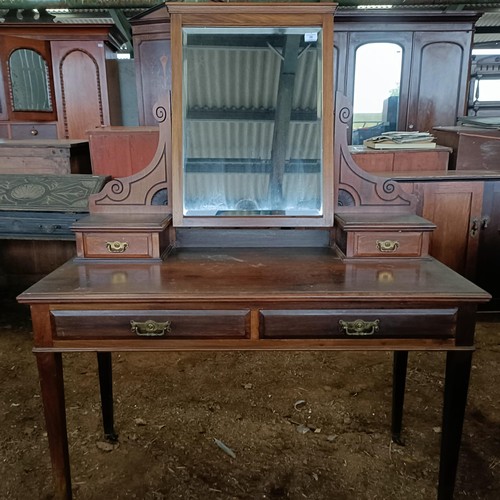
(29, 81)
(487, 90)
(377, 79)
(252, 123)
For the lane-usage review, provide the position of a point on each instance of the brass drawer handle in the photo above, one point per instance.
(116, 246)
(359, 327)
(150, 328)
(387, 245)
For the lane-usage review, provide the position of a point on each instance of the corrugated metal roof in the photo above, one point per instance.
(489, 19)
(244, 98)
(488, 29)
(228, 66)
(249, 139)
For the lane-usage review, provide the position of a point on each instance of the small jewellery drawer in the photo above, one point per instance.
(118, 245)
(159, 324)
(388, 244)
(365, 235)
(357, 323)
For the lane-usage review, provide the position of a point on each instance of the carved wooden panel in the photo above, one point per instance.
(147, 191)
(54, 193)
(151, 37)
(153, 75)
(355, 188)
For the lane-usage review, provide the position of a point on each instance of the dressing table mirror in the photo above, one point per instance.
(252, 136)
(252, 229)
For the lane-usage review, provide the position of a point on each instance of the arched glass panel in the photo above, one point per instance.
(29, 81)
(377, 79)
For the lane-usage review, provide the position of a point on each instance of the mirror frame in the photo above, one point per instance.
(14, 88)
(4, 115)
(252, 15)
(7, 45)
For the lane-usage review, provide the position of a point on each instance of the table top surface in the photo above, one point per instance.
(259, 275)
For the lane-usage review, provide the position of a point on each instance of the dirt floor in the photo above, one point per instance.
(300, 425)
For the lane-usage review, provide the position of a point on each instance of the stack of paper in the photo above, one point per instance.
(401, 140)
(492, 122)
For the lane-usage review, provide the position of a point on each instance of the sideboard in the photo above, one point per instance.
(37, 156)
(465, 206)
(398, 160)
(36, 214)
(474, 148)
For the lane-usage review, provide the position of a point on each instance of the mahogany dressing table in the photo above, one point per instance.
(240, 235)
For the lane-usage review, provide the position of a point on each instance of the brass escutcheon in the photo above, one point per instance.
(387, 245)
(116, 246)
(150, 328)
(359, 327)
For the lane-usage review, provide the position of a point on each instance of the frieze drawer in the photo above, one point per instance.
(22, 131)
(154, 324)
(357, 323)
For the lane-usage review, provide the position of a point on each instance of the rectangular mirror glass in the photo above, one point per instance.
(252, 121)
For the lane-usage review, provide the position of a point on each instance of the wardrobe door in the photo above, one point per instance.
(27, 92)
(455, 208)
(438, 82)
(80, 86)
(488, 270)
(376, 81)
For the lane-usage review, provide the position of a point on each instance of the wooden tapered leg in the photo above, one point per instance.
(52, 388)
(400, 364)
(458, 366)
(106, 388)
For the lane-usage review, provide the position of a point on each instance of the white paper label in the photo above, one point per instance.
(310, 37)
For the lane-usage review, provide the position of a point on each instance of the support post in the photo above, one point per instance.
(52, 388)
(400, 364)
(106, 389)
